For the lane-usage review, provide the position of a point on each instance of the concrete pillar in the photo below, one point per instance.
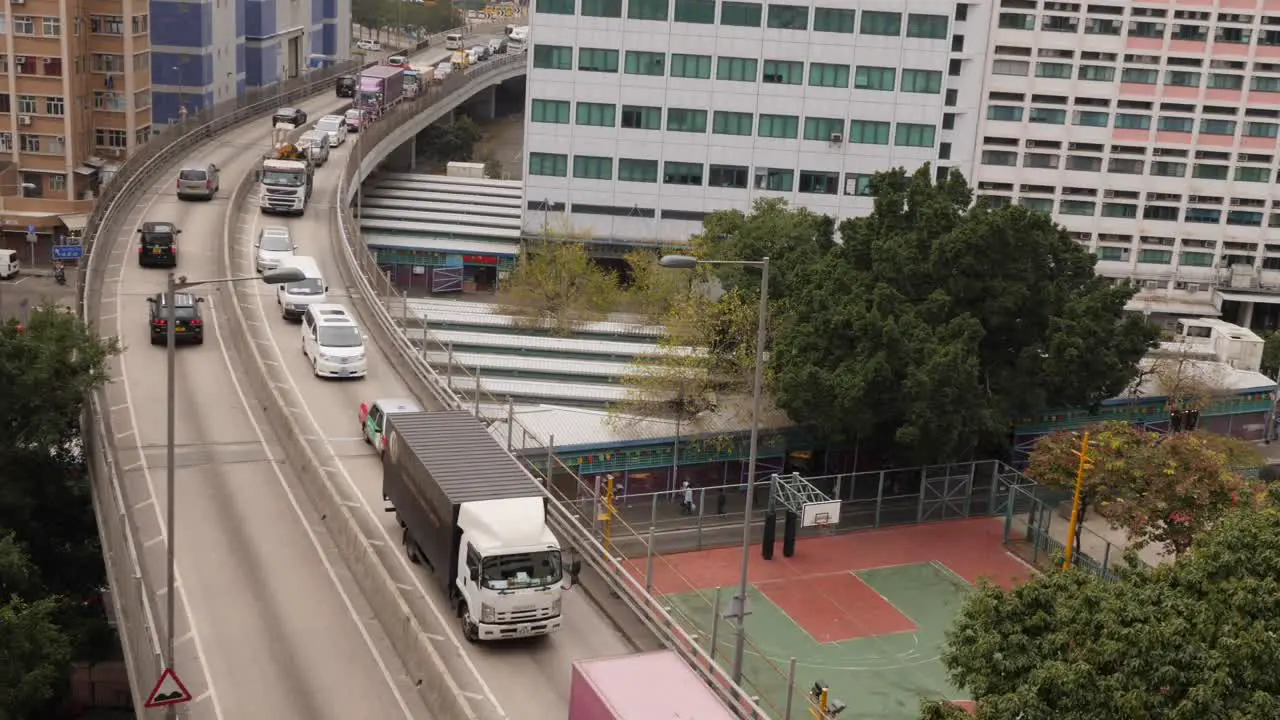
(491, 102)
(413, 154)
(1246, 314)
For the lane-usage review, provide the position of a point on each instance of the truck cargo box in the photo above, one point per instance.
(465, 169)
(435, 462)
(644, 686)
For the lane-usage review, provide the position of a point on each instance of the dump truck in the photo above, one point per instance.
(380, 88)
(286, 179)
(477, 518)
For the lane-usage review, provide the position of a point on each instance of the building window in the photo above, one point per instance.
(1126, 166)
(597, 114)
(142, 99)
(1097, 73)
(1092, 118)
(648, 10)
(553, 57)
(1076, 207)
(540, 111)
(1182, 78)
(1262, 83)
(103, 137)
(724, 122)
(682, 173)
(1164, 168)
(775, 179)
(702, 12)
(639, 117)
(102, 63)
(598, 60)
(1126, 121)
(933, 27)
(635, 170)
(142, 25)
(1048, 116)
(555, 7)
(26, 65)
(28, 105)
(1061, 71)
(1253, 174)
(639, 62)
(881, 23)
(1171, 123)
(1204, 216)
(786, 127)
(601, 8)
(591, 167)
(110, 101)
(31, 143)
(833, 20)
(685, 120)
(1044, 205)
(922, 81)
(1213, 126)
(1102, 26)
(58, 183)
(857, 184)
(548, 164)
(51, 27)
(1114, 254)
(1196, 259)
(1219, 81)
(1127, 211)
(827, 75)
(106, 25)
(737, 69)
(788, 17)
(697, 67)
(741, 14)
(24, 25)
(1000, 157)
(874, 78)
(727, 176)
(913, 135)
(55, 106)
(1144, 29)
(1019, 68)
(819, 183)
(819, 128)
(1155, 257)
(51, 66)
(783, 72)
(1139, 76)
(1261, 129)
(1004, 113)
(143, 135)
(6, 141)
(869, 132)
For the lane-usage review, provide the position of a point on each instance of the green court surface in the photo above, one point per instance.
(881, 671)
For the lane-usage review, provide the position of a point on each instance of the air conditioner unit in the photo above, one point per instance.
(20, 60)
(49, 60)
(1150, 284)
(1108, 193)
(836, 138)
(1193, 287)
(24, 119)
(19, 2)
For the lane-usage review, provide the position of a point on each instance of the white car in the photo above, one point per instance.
(369, 45)
(333, 342)
(273, 246)
(335, 126)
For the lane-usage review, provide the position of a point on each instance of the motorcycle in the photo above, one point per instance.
(60, 274)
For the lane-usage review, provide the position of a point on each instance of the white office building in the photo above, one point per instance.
(644, 115)
(1147, 128)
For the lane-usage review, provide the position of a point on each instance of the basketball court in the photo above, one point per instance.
(864, 612)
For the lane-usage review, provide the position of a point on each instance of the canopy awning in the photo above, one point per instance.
(75, 223)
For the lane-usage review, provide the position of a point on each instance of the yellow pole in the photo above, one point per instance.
(1075, 502)
(608, 513)
(819, 712)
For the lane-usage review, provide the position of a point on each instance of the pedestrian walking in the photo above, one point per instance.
(721, 500)
(686, 507)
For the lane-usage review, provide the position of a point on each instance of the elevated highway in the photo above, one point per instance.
(270, 623)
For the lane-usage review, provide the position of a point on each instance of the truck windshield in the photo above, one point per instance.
(282, 178)
(524, 570)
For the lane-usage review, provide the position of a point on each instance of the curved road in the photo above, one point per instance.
(525, 680)
(268, 624)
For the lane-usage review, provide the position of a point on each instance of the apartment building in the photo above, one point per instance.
(76, 101)
(207, 51)
(644, 115)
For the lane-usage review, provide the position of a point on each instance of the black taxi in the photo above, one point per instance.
(158, 244)
(188, 322)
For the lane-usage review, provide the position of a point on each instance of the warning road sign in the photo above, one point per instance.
(169, 691)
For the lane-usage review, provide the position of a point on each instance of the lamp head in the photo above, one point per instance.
(681, 262)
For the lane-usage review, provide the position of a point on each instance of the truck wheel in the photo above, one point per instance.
(410, 548)
(470, 630)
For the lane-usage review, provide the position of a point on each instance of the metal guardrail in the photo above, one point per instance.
(131, 600)
(376, 291)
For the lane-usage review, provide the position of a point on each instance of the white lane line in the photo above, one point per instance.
(143, 504)
(118, 408)
(135, 466)
(200, 697)
(158, 191)
(127, 433)
(153, 541)
(448, 624)
(293, 501)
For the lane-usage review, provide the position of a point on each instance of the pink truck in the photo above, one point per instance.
(644, 686)
(379, 88)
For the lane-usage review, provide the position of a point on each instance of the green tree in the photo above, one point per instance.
(1196, 638)
(451, 142)
(936, 323)
(1162, 489)
(432, 17)
(35, 653)
(558, 285)
(1271, 354)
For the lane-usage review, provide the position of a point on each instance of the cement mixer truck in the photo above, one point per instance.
(285, 180)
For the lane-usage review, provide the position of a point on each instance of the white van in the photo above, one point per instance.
(294, 297)
(332, 341)
(8, 264)
(453, 41)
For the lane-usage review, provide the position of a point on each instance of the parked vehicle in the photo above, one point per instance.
(473, 514)
(369, 45)
(9, 264)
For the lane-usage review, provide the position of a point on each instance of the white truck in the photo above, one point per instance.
(285, 180)
(518, 40)
(478, 519)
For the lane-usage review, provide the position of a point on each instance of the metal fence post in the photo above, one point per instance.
(879, 499)
(648, 571)
(924, 473)
(791, 688)
(551, 461)
(702, 505)
(511, 418)
(448, 366)
(715, 625)
(477, 413)
(595, 508)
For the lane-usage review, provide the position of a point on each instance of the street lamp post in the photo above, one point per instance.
(175, 284)
(688, 262)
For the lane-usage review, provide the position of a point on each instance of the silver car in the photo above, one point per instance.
(198, 181)
(273, 246)
(316, 144)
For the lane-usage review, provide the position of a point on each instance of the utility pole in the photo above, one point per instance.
(1075, 502)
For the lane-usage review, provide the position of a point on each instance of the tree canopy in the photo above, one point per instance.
(935, 323)
(426, 18)
(1162, 489)
(558, 285)
(51, 570)
(1195, 638)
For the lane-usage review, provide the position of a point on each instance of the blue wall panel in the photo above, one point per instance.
(259, 18)
(262, 65)
(181, 24)
(240, 67)
(194, 71)
(240, 9)
(328, 8)
(317, 13)
(329, 40)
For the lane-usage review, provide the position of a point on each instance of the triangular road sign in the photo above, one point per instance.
(169, 690)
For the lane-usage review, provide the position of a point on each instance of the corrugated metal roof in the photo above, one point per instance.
(504, 202)
(458, 246)
(465, 460)
(428, 214)
(412, 229)
(550, 345)
(451, 188)
(492, 315)
(452, 206)
(422, 177)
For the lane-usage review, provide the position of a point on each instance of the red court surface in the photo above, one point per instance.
(972, 548)
(837, 607)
